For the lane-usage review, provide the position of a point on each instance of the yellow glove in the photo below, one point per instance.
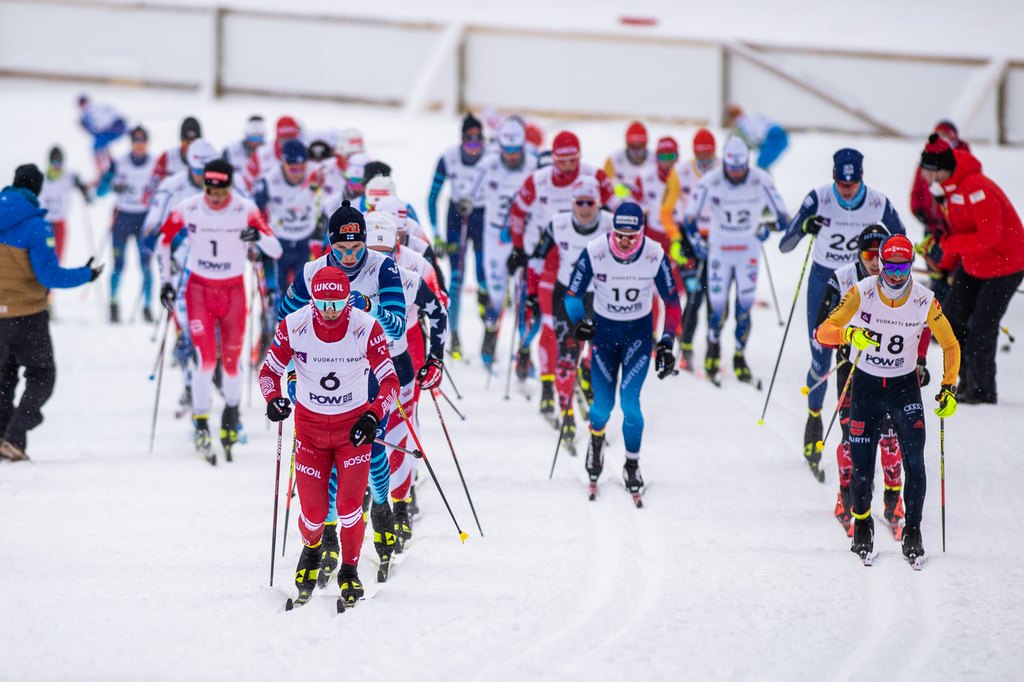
(925, 245)
(947, 401)
(675, 252)
(859, 338)
(622, 191)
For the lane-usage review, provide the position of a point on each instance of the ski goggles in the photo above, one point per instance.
(869, 255)
(585, 202)
(630, 236)
(517, 149)
(897, 269)
(325, 304)
(668, 156)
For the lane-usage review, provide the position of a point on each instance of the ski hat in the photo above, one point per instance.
(896, 249)
(200, 152)
(735, 154)
(629, 217)
(566, 146)
(293, 152)
(534, 135)
(330, 287)
(217, 173)
(375, 168)
(255, 129)
(937, 155)
(470, 122)
(381, 229)
(287, 128)
(319, 150)
(512, 135)
(28, 176)
(847, 165)
(346, 225)
(139, 134)
(56, 156)
(378, 188)
(190, 129)
(83, 99)
(667, 145)
(586, 186)
(872, 236)
(946, 127)
(397, 208)
(636, 135)
(703, 142)
(350, 141)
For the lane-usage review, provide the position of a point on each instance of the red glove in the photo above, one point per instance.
(430, 374)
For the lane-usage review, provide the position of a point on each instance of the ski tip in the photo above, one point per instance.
(463, 536)
(289, 605)
(341, 605)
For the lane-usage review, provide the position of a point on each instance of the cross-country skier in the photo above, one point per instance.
(883, 317)
(625, 166)
(105, 124)
(624, 267)
(334, 347)
(175, 159)
(221, 226)
(55, 197)
(835, 214)
(240, 153)
(738, 197)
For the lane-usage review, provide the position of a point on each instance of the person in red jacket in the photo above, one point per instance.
(985, 232)
(926, 207)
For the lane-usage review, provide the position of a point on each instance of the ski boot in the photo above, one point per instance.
(686, 357)
(633, 480)
(739, 366)
(842, 510)
(568, 431)
(547, 400)
(894, 512)
(595, 461)
(351, 587)
(147, 314)
(813, 432)
(331, 549)
(403, 522)
(367, 498)
(489, 345)
(414, 508)
(482, 299)
(115, 312)
(203, 442)
(385, 537)
(913, 548)
(584, 384)
(454, 347)
(523, 364)
(863, 544)
(711, 363)
(306, 574)
(229, 429)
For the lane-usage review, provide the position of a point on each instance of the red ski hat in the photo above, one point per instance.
(636, 135)
(534, 135)
(287, 127)
(566, 146)
(703, 142)
(668, 145)
(329, 284)
(896, 249)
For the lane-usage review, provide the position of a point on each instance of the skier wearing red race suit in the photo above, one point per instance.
(334, 347)
(547, 192)
(220, 227)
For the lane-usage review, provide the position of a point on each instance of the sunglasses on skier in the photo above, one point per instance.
(585, 202)
(324, 305)
(668, 156)
(897, 269)
(869, 255)
(628, 237)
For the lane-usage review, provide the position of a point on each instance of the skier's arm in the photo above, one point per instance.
(668, 206)
(440, 175)
(578, 283)
(666, 285)
(829, 301)
(171, 227)
(437, 318)
(608, 196)
(296, 297)
(103, 186)
(536, 263)
(943, 333)
(383, 369)
(389, 308)
(991, 231)
(276, 363)
(795, 231)
(830, 332)
(520, 208)
(891, 219)
(438, 272)
(267, 242)
(693, 210)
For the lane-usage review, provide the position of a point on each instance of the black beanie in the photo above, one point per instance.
(29, 177)
(373, 169)
(471, 122)
(217, 173)
(190, 129)
(56, 156)
(346, 225)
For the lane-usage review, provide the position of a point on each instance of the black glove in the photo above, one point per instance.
(922, 372)
(278, 409)
(813, 224)
(533, 307)
(664, 361)
(167, 296)
(250, 234)
(95, 270)
(584, 330)
(516, 260)
(364, 430)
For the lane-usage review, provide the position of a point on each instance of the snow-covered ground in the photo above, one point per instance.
(117, 563)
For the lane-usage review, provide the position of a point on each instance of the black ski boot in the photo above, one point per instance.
(711, 363)
(489, 345)
(595, 461)
(203, 441)
(739, 365)
(331, 549)
(568, 431)
(547, 401)
(147, 314)
(633, 480)
(686, 357)
(812, 450)
(306, 573)
(913, 547)
(229, 429)
(403, 522)
(351, 587)
(523, 364)
(863, 544)
(115, 312)
(385, 535)
(454, 347)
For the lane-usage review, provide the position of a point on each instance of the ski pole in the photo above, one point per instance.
(1009, 336)
(418, 454)
(778, 360)
(248, 341)
(565, 417)
(277, 491)
(419, 448)
(444, 427)
(771, 285)
(805, 390)
(451, 381)
(942, 475)
(820, 445)
(449, 401)
(288, 503)
(512, 350)
(159, 371)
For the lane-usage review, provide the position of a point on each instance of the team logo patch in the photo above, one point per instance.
(349, 228)
(601, 277)
(192, 228)
(866, 316)
(856, 428)
(300, 356)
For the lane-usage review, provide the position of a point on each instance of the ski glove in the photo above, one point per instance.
(440, 248)
(859, 338)
(516, 260)
(585, 330)
(430, 374)
(532, 308)
(464, 206)
(359, 302)
(95, 271)
(922, 372)
(250, 234)
(167, 296)
(364, 430)
(764, 230)
(676, 252)
(664, 361)
(813, 224)
(947, 401)
(278, 409)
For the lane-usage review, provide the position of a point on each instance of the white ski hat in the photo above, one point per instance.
(350, 141)
(512, 133)
(200, 152)
(381, 229)
(735, 153)
(380, 187)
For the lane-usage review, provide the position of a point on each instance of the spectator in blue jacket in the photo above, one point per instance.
(28, 267)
